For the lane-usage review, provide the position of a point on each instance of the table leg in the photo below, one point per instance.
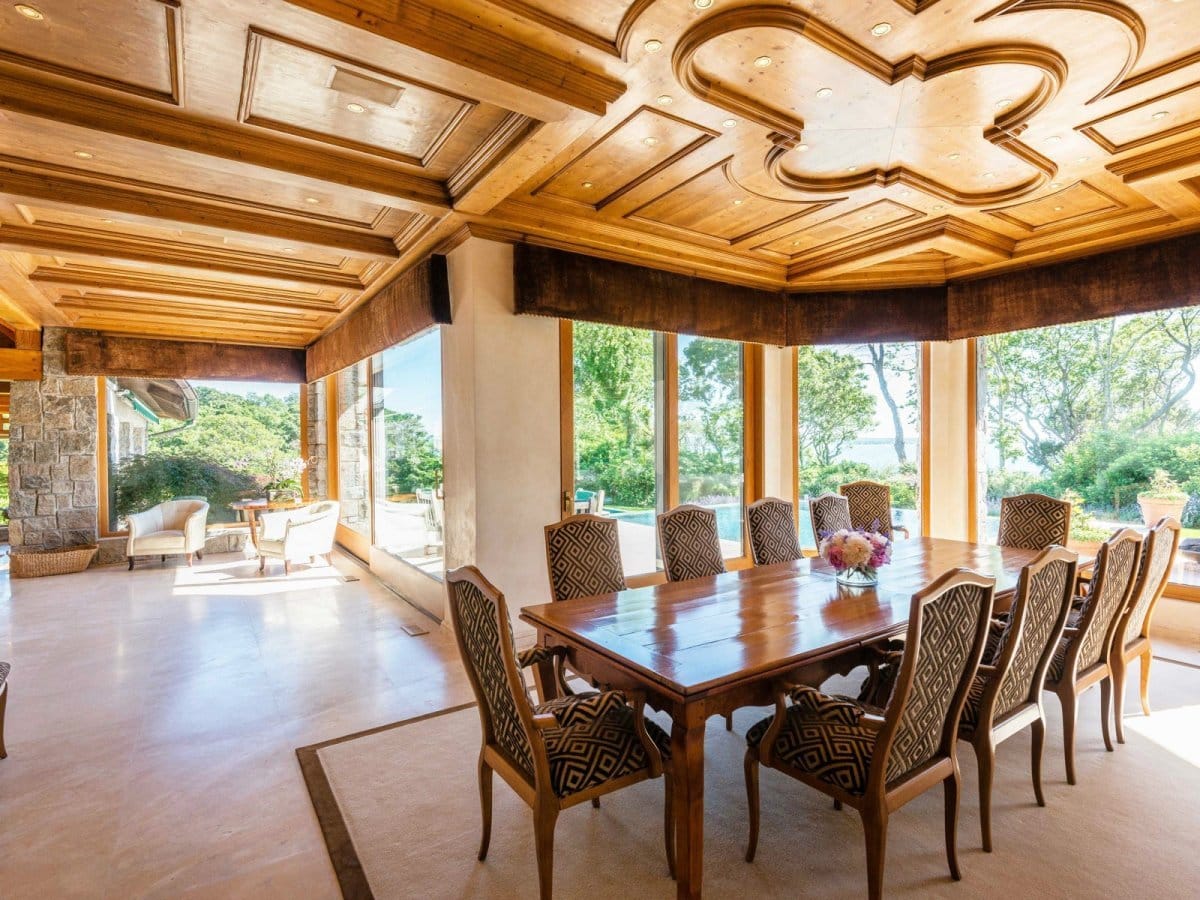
(251, 521)
(687, 758)
(545, 679)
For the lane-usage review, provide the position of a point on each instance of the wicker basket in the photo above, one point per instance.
(62, 561)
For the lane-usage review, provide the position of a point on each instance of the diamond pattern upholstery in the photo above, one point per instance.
(1154, 572)
(870, 505)
(970, 713)
(691, 547)
(5, 668)
(1048, 591)
(830, 748)
(772, 529)
(1120, 570)
(829, 513)
(1033, 521)
(584, 556)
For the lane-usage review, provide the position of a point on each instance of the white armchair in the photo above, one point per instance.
(297, 534)
(177, 526)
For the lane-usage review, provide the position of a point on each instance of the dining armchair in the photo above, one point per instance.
(5, 668)
(553, 755)
(1034, 522)
(172, 527)
(1081, 660)
(771, 526)
(877, 760)
(870, 505)
(690, 543)
(829, 513)
(1132, 637)
(1005, 698)
(583, 558)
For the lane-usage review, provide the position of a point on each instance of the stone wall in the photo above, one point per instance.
(52, 455)
(354, 464)
(317, 431)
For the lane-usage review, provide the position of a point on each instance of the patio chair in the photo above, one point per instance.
(1132, 638)
(829, 513)
(170, 528)
(1081, 659)
(293, 535)
(553, 755)
(871, 507)
(771, 525)
(877, 760)
(1034, 522)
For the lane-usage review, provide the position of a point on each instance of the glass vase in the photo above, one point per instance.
(861, 576)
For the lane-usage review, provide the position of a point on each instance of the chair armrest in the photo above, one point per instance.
(826, 708)
(310, 534)
(907, 534)
(136, 523)
(871, 722)
(273, 525)
(544, 721)
(583, 708)
(986, 669)
(1070, 632)
(535, 655)
(193, 529)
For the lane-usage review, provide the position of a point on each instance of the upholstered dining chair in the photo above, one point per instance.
(1132, 637)
(829, 513)
(689, 542)
(553, 755)
(1033, 522)
(583, 557)
(1006, 697)
(871, 507)
(771, 526)
(877, 760)
(5, 668)
(1081, 660)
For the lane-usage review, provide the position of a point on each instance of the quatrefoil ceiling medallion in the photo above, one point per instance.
(842, 118)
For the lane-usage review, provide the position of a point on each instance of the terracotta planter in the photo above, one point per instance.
(1153, 510)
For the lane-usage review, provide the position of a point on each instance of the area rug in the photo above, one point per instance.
(400, 812)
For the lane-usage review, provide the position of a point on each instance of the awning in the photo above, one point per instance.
(165, 398)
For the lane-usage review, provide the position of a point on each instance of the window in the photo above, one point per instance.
(221, 440)
(859, 417)
(353, 448)
(409, 495)
(633, 458)
(1092, 412)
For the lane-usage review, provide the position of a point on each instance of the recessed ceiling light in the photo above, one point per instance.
(795, 243)
(851, 168)
(868, 218)
(906, 193)
(729, 123)
(665, 99)
(313, 200)
(82, 154)
(954, 156)
(939, 206)
(762, 62)
(1083, 159)
(29, 12)
(1053, 139)
(881, 28)
(1161, 114)
(653, 45)
(1003, 104)
(823, 93)
(803, 148)
(989, 174)
(588, 184)
(107, 221)
(356, 107)
(1058, 209)
(1056, 184)
(702, 4)
(289, 249)
(738, 202)
(649, 141)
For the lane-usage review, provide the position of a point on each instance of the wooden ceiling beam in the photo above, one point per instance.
(31, 93)
(41, 186)
(90, 353)
(22, 305)
(73, 243)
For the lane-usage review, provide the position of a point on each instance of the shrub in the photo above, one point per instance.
(145, 481)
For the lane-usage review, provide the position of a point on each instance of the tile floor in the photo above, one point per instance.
(153, 717)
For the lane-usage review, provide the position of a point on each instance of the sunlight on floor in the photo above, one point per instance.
(242, 578)
(1175, 730)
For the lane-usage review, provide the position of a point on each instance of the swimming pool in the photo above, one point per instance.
(729, 519)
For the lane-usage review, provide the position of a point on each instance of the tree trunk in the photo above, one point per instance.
(878, 360)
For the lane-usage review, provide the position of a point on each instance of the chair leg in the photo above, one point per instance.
(189, 560)
(200, 554)
(985, 757)
(669, 821)
(1106, 687)
(287, 567)
(752, 802)
(875, 831)
(163, 560)
(131, 564)
(1117, 667)
(1039, 744)
(485, 805)
(952, 791)
(1070, 711)
(544, 818)
(3, 706)
(729, 721)
(595, 803)
(1147, 655)
(837, 804)
(262, 564)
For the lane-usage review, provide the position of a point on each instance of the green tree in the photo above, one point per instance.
(834, 402)
(710, 419)
(413, 459)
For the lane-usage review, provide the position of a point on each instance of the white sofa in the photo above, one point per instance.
(176, 526)
(297, 535)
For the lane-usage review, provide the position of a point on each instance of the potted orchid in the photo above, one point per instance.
(856, 554)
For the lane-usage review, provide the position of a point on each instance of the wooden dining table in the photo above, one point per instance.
(708, 646)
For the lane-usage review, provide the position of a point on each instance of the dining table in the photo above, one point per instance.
(709, 646)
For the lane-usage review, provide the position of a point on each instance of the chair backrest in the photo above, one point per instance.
(596, 503)
(583, 555)
(1039, 614)
(485, 642)
(1158, 556)
(1112, 586)
(175, 512)
(322, 508)
(870, 505)
(771, 526)
(829, 513)
(947, 627)
(690, 544)
(1034, 522)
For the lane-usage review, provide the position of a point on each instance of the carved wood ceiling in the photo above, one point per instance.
(250, 170)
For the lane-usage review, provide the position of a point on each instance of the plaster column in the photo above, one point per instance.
(951, 469)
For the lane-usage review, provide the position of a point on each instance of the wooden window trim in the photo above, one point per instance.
(103, 511)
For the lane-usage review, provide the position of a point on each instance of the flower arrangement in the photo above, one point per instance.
(856, 554)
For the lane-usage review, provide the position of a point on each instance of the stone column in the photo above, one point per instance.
(317, 428)
(52, 455)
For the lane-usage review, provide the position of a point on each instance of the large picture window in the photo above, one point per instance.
(353, 447)
(859, 417)
(1095, 412)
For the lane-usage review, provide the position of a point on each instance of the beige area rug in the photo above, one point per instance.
(400, 813)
